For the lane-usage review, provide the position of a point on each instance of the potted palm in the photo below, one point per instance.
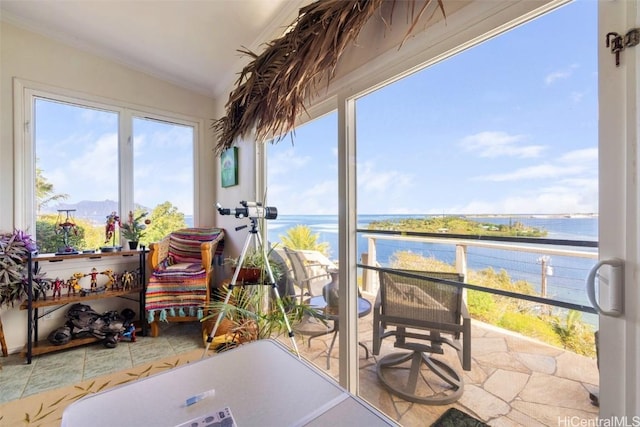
(251, 315)
(134, 228)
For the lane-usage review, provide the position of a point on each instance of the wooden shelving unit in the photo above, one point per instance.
(36, 347)
(64, 300)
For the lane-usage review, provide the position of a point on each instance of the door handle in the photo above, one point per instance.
(611, 288)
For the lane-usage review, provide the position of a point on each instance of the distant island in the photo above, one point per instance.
(457, 225)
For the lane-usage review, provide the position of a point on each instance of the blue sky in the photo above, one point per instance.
(77, 149)
(509, 126)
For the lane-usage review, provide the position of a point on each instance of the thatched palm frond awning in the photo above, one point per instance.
(271, 90)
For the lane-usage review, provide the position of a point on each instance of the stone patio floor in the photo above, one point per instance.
(513, 381)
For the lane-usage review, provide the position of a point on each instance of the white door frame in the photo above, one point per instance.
(619, 210)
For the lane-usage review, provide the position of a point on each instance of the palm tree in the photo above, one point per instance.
(300, 237)
(45, 192)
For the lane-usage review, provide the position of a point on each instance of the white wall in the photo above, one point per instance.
(28, 56)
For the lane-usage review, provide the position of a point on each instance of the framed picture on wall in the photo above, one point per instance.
(229, 167)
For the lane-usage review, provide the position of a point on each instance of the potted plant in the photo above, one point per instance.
(14, 251)
(253, 268)
(251, 315)
(133, 228)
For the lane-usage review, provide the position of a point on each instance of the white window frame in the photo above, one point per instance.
(477, 22)
(25, 92)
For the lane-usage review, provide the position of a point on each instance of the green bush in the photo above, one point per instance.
(482, 306)
(574, 334)
(531, 326)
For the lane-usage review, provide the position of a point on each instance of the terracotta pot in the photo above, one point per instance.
(249, 275)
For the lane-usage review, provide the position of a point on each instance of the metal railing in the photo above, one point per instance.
(538, 251)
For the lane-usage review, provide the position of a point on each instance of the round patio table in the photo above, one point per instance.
(319, 304)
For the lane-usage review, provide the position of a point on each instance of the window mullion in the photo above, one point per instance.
(125, 161)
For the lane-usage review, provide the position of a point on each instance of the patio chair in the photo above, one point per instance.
(417, 309)
(181, 271)
(305, 272)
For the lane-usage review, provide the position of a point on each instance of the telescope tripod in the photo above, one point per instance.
(253, 234)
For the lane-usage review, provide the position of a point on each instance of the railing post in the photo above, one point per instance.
(461, 266)
(369, 282)
(461, 260)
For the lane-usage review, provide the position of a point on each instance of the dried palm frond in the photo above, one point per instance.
(271, 90)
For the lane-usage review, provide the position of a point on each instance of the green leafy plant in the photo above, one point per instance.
(134, 228)
(254, 259)
(252, 315)
(14, 251)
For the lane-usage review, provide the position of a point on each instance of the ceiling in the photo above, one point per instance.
(191, 43)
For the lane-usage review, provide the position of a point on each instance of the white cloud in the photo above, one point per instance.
(290, 198)
(282, 162)
(585, 155)
(571, 163)
(577, 97)
(91, 174)
(544, 171)
(554, 76)
(373, 179)
(497, 144)
(571, 196)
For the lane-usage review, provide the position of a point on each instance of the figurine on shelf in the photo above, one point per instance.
(127, 280)
(70, 286)
(110, 277)
(66, 226)
(113, 220)
(57, 288)
(117, 279)
(94, 278)
(73, 284)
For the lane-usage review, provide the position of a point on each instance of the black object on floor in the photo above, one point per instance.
(455, 418)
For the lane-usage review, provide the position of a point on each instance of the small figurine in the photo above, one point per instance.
(127, 279)
(94, 278)
(57, 287)
(112, 220)
(110, 277)
(129, 333)
(74, 283)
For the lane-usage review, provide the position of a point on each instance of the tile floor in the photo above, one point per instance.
(48, 371)
(514, 381)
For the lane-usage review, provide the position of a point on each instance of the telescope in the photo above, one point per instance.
(252, 210)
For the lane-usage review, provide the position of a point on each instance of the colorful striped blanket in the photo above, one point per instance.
(178, 287)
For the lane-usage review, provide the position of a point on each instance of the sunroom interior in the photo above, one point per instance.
(177, 62)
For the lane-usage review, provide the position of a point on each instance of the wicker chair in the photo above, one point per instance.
(418, 308)
(305, 273)
(181, 271)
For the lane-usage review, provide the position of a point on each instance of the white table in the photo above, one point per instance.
(262, 383)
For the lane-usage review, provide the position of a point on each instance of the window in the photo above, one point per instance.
(163, 174)
(86, 160)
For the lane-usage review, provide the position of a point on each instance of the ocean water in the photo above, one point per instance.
(565, 276)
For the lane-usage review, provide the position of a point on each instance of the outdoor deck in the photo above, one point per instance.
(514, 381)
